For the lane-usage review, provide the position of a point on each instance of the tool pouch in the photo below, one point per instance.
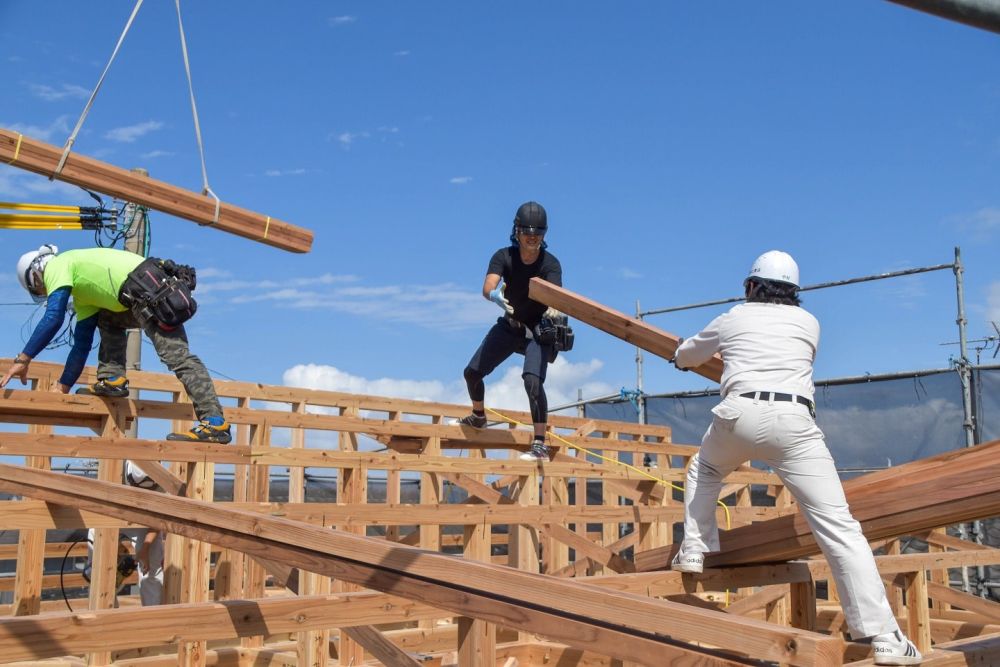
(160, 290)
(556, 333)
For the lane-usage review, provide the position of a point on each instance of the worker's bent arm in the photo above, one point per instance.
(83, 340)
(698, 349)
(490, 284)
(48, 326)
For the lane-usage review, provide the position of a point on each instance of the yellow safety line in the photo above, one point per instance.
(57, 208)
(267, 225)
(38, 217)
(17, 149)
(658, 480)
(75, 226)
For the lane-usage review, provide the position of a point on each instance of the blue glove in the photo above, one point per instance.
(497, 297)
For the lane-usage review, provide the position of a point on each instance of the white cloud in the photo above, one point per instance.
(16, 184)
(403, 53)
(60, 125)
(342, 20)
(460, 180)
(284, 172)
(130, 133)
(50, 94)
(983, 221)
(629, 274)
(388, 129)
(157, 153)
(233, 285)
(505, 392)
(346, 139)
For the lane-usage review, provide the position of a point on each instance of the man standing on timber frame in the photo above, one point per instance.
(517, 330)
(767, 413)
(101, 281)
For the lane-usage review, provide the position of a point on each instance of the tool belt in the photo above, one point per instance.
(160, 290)
(555, 332)
(767, 396)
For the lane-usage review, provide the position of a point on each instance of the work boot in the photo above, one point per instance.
(474, 420)
(538, 452)
(112, 387)
(205, 431)
(693, 562)
(893, 648)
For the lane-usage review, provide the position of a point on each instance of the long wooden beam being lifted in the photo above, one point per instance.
(620, 625)
(942, 490)
(618, 324)
(42, 158)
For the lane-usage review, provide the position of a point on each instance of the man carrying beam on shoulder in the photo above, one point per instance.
(114, 290)
(768, 346)
(527, 327)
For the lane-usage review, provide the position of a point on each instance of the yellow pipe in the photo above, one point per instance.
(14, 206)
(25, 217)
(41, 225)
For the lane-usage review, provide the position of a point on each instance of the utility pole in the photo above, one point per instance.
(134, 242)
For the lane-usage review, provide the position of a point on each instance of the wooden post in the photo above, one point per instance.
(803, 604)
(918, 619)
(477, 640)
(229, 577)
(104, 565)
(353, 483)
(31, 543)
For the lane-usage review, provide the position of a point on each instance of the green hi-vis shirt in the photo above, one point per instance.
(95, 276)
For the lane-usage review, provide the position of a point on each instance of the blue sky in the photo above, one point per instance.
(670, 142)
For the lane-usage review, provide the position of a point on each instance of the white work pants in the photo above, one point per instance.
(785, 436)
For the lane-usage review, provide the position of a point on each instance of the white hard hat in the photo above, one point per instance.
(31, 262)
(777, 266)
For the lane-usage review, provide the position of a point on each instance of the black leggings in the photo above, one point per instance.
(503, 340)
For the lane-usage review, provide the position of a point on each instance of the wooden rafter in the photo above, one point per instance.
(42, 158)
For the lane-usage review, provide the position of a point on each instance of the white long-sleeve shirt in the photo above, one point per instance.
(764, 347)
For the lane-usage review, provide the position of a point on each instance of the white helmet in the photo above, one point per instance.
(777, 266)
(33, 262)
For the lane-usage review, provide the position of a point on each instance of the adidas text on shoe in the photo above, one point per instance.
(473, 420)
(205, 432)
(894, 649)
(682, 562)
(538, 452)
(116, 388)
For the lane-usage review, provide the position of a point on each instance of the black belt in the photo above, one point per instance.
(514, 323)
(767, 396)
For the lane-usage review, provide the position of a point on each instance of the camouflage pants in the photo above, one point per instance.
(171, 347)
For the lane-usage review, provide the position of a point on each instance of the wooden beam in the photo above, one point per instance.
(42, 158)
(381, 648)
(960, 485)
(620, 625)
(618, 324)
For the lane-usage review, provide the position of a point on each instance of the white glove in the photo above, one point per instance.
(497, 297)
(551, 313)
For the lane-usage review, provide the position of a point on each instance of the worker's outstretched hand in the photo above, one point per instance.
(19, 370)
(497, 297)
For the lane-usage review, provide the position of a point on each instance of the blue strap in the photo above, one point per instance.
(632, 396)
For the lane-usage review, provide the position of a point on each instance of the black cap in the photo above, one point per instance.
(531, 215)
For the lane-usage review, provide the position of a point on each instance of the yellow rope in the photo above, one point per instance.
(18, 206)
(17, 149)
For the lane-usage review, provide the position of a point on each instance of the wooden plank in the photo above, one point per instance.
(42, 158)
(381, 648)
(961, 486)
(618, 324)
(66, 633)
(574, 613)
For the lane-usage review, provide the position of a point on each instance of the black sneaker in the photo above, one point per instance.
(117, 388)
(538, 452)
(473, 420)
(205, 432)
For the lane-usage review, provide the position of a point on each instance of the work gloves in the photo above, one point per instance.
(551, 314)
(497, 297)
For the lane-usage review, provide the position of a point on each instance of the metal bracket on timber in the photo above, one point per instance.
(42, 158)
(613, 623)
(949, 488)
(616, 323)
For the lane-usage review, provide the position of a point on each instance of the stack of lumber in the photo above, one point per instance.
(957, 486)
(42, 158)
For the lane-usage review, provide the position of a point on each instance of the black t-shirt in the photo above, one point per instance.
(507, 263)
